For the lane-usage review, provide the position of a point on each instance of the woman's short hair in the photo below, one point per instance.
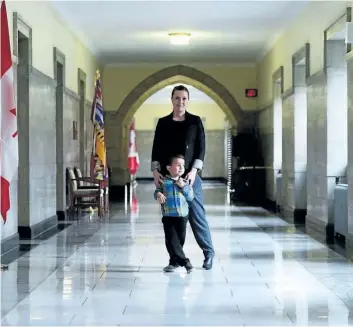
(180, 88)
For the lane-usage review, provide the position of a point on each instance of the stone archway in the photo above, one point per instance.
(207, 83)
(117, 123)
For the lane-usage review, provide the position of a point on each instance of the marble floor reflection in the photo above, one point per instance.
(109, 272)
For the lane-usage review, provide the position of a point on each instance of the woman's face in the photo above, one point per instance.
(180, 101)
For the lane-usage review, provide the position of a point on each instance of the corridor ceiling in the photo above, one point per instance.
(137, 31)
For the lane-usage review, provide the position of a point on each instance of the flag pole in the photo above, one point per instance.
(2, 266)
(130, 189)
(99, 166)
(93, 159)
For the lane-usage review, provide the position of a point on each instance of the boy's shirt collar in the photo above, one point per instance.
(172, 178)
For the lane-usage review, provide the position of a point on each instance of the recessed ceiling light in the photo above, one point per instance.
(179, 38)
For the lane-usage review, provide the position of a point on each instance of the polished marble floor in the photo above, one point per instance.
(109, 272)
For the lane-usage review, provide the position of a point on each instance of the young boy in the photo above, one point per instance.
(174, 195)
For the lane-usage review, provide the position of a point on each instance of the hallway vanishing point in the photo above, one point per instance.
(109, 272)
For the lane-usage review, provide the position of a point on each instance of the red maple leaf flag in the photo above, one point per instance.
(8, 119)
(133, 156)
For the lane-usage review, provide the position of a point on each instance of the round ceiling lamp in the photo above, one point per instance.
(179, 38)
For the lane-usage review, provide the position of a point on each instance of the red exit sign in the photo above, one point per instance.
(251, 93)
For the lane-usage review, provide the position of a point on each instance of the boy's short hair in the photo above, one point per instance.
(172, 158)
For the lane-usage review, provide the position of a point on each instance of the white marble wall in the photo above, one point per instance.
(288, 148)
(337, 139)
(71, 146)
(337, 122)
(317, 205)
(88, 142)
(215, 159)
(117, 143)
(327, 136)
(42, 152)
(300, 146)
(314, 142)
(277, 126)
(350, 150)
(266, 131)
(294, 151)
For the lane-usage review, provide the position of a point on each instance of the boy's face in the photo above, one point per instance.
(177, 168)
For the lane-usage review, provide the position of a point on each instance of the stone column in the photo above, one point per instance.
(277, 82)
(266, 133)
(300, 153)
(295, 149)
(322, 170)
(288, 123)
(317, 209)
(327, 136)
(349, 240)
(116, 136)
(81, 86)
(88, 138)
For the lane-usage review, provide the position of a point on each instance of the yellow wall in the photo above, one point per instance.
(147, 114)
(119, 81)
(308, 27)
(49, 32)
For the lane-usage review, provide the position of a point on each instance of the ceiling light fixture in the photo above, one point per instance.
(179, 38)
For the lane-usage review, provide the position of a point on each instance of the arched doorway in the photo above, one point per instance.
(215, 122)
(182, 74)
(118, 122)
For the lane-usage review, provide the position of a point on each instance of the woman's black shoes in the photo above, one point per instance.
(207, 264)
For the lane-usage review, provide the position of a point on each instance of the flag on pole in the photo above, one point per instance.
(98, 156)
(8, 123)
(133, 157)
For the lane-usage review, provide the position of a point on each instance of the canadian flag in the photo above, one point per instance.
(133, 156)
(8, 122)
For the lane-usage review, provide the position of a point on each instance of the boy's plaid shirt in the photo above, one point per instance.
(176, 203)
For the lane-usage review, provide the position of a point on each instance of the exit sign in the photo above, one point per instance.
(251, 93)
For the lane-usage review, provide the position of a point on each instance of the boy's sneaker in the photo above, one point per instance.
(169, 268)
(189, 267)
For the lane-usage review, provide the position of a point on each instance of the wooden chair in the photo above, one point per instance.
(82, 184)
(77, 195)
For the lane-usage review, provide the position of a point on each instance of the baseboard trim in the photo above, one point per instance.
(9, 243)
(61, 215)
(270, 205)
(293, 215)
(117, 192)
(31, 232)
(300, 216)
(349, 241)
(322, 230)
(15, 249)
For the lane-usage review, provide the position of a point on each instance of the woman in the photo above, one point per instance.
(183, 133)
